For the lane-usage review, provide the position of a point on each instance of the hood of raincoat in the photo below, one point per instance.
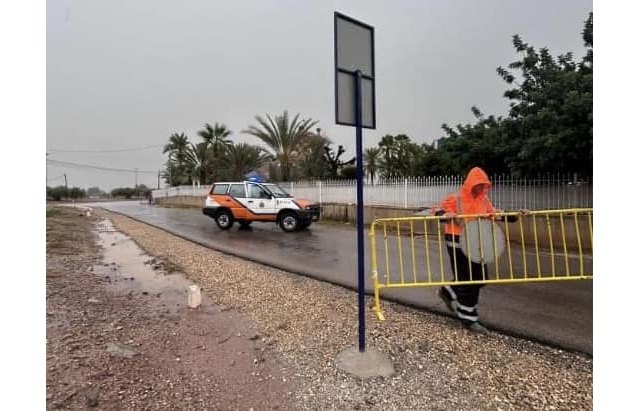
(475, 205)
(469, 204)
(476, 176)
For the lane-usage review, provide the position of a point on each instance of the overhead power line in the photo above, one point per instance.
(55, 178)
(115, 150)
(109, 169)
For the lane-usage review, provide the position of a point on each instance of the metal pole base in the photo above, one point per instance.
(370, 363)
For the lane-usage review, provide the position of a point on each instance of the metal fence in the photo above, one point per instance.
(545, 245)
(542, 193)
(548, 192)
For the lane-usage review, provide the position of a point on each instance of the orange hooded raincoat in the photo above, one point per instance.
(465, 200)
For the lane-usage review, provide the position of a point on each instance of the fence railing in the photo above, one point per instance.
(549, 192)
(508, 193)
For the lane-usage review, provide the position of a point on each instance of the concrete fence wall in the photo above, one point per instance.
(336, 212)
(181, 201)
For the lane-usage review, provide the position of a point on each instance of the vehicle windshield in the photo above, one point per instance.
(277, 191)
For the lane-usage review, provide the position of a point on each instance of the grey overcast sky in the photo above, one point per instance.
(127, 74)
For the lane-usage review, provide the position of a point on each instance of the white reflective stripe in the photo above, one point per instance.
(467, 317)
(452, 244)
(451, 292)
(467, 308)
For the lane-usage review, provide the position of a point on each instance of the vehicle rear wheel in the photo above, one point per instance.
(289, 222)
(224, 219)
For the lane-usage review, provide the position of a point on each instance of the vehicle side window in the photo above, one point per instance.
(220, 189)
(256, 191)
(237, 190)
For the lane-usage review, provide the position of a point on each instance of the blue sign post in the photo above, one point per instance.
(355, 106)
(360, 213)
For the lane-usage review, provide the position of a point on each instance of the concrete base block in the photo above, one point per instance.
(370, 363)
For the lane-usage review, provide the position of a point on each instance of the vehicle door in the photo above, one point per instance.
(239, 207)
(260, 201)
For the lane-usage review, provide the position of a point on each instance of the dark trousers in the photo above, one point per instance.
(467, 295)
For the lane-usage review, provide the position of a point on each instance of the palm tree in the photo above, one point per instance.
(177, 146)
(387, 159)
(243, 158)
(215, 138)
(196, 160)
(285, 138)
(372, 161)
(177, 149)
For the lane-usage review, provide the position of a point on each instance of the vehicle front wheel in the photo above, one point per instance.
(289, 222)
(305, 224)
(224, 219)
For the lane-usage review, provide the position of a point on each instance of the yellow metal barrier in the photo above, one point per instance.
(548, 245)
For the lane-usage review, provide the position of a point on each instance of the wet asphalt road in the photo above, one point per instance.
(558, 313)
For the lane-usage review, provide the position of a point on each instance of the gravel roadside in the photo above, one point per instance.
(112, 344)
(438, 364)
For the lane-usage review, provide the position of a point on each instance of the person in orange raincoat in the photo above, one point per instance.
(473, 198)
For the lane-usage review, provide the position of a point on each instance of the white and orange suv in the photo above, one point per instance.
(246, 201)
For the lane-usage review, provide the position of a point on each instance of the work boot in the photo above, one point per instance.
(448, 301)
(476, 327)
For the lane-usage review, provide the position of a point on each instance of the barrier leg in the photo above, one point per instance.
(377, 309)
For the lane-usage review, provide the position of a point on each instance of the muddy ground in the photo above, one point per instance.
(116, 346)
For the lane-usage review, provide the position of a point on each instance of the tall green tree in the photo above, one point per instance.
(397, 155)
(313, 164)
(332, 159)
(216, 137)
(197, 158)
(284, 137)
(550, 122)
(216, 142)
(177, 146)
(372, 162)
(431, 162)
(243, 158)
(177, 164)
(484, 144)
(553, 103)
(177, 174)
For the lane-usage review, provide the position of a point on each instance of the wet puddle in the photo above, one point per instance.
(131, 270)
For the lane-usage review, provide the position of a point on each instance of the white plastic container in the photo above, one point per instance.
(194, 296)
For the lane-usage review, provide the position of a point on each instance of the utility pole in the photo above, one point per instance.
(136, 186)
(66, 186)
(159, 171)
